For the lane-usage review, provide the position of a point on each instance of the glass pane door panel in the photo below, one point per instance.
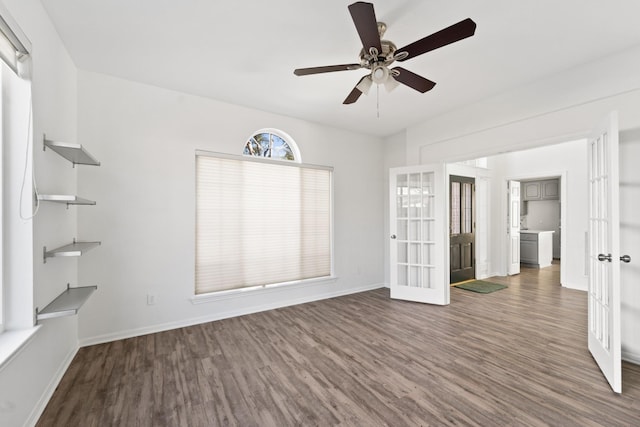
(402, 205)
(466, 207)
(427, 183)
(402, 195)
(455, 208)
(428, 277)
(414, 277)
(414, 230)
(427, 206)
(415, 186)
(402, 275)
(415, 206)
(402, 229)
(415, 258)
(427, 231)
(427, 255)
(403, 253)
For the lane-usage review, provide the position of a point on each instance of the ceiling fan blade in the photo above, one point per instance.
(364, 18)
(413, 80)
(327, 69)
(355, 93)
(454, 33)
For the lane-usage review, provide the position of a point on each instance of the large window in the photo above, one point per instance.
(260, 222)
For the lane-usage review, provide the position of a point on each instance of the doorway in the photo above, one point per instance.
(461, 228)
(540, 221)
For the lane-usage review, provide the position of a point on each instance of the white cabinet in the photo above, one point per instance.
(531, 190)
(548, 189)
(536, 248)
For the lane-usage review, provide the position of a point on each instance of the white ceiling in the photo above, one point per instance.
(244, 51)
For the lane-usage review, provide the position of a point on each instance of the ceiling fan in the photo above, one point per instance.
(377, 54)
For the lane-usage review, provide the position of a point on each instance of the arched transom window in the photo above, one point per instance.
(272, 144)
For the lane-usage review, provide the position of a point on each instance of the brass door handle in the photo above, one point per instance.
(625, 258)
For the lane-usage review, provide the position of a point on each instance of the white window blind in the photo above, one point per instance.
(260, 222)
(14, 46)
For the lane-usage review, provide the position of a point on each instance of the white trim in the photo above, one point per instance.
(244, 158)
(12, 342)
(47, 393)
(631, 357)
(259, 290)
(14, 29)
(220, 315)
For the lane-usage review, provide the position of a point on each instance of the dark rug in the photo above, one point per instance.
(480, 286)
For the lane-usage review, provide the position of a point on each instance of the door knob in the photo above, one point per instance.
(603, 257)
(393, 236)
(625, 258)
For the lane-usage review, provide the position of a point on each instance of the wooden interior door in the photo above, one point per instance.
(604, 252)
(461, 228)
(418, 233)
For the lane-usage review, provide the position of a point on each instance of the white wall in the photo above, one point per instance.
(27, 381)
(563, 107)
(146, 139)
(568, 158)
(394, 155)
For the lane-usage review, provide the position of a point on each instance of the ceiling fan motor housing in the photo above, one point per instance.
(371, 59)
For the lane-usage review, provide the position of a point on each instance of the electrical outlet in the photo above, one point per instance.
(151, 299)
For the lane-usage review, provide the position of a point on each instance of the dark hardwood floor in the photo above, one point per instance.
(516, 357)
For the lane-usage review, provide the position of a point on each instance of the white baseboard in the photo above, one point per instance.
(100, 339)
(631, 357)
(51, 388)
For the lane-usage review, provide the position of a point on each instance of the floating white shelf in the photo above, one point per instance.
(72, 249)
(67, 303)
(75, 153)
(65, 199)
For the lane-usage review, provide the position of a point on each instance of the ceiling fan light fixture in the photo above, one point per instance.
(379, 74)
(391, 84)
(365, 85)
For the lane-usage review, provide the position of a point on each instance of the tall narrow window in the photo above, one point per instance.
(260, 222)
(16, 251)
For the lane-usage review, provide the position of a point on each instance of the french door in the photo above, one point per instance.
(604, 252)
(418, 229)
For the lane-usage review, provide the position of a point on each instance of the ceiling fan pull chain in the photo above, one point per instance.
(378, 100)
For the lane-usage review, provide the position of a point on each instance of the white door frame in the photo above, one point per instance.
(563, 215)
(482, 250)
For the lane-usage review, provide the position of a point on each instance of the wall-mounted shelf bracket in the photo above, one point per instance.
(67, 303)
(72, 249)
(75, 153)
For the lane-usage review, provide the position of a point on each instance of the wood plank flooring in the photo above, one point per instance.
(516, 357)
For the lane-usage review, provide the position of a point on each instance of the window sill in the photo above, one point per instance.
(259, 290)
(11, 342)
